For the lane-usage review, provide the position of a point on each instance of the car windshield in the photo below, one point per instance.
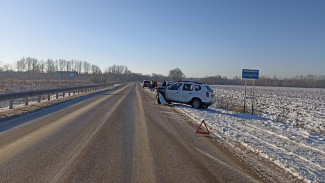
(209, 88)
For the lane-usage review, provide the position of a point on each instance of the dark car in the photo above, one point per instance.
(146, 83)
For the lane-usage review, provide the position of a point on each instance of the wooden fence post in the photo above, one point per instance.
(11, 104)
(26, 100)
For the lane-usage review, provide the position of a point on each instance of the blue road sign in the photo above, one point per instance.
(71, 75)
(250, 74)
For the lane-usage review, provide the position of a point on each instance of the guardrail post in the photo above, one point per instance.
(69, 94)
(63, 94)
(26, 100)
(11, 104)
(57, 95)
(78, 92)
(39, 98)
(48, 97)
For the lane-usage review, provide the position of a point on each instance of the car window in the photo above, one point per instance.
(197, 87)
(169, 83)
(175, 86)
(188, 87)
(209, 88)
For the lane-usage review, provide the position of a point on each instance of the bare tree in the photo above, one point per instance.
(21, 65)
(41, 66)
(50, 66)
(1, 63)
(78, 66)
(86, 67)
(95, 69)
(7, 67)
(158, 77)
(35, 66)
(176, 74)
(29, 64)
(96, 73)
(72, 65)
(61, 63)
(68, 65)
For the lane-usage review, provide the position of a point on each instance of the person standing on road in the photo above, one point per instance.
(164, 83)
(151, 84)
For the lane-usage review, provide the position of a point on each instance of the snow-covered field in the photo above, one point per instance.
(296, 150)
(301, 107)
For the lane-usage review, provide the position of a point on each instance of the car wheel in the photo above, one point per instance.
(205, 107)
(196, 103)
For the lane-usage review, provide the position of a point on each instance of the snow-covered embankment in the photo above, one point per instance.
(298, 151)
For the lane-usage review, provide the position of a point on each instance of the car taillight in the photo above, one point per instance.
(207, 94)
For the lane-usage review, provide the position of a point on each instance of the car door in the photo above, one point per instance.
(186, 93)
(173, 92)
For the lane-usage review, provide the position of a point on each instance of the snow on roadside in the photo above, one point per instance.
(296, 150)
(303, 107)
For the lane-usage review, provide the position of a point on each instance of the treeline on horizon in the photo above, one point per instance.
(309, 81)
(33, 69)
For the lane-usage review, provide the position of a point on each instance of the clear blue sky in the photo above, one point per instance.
(279, 37)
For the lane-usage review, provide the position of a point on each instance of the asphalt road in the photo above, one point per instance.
(118, 136)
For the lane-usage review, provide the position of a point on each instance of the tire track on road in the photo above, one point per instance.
(144, 167)
(64, 171)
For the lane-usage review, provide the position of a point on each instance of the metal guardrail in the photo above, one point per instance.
(16, 95)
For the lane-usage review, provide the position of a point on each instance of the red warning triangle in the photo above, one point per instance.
(203, 132)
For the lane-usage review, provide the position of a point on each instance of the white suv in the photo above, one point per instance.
(193, 93)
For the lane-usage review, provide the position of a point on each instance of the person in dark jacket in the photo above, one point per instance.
(164, 83)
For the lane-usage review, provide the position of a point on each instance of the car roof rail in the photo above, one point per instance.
(191, 82)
